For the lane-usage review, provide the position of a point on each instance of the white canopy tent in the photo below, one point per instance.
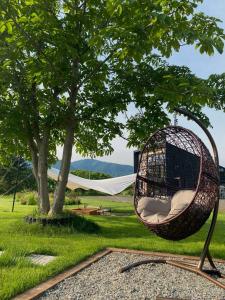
(111, 186)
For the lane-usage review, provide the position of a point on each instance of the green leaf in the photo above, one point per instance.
(9, 27)
(35, 18)
(169, 76)
(2, 27)
(119, 10)
(22, 19)
(153, 20)
(30, 2)
(219, 45)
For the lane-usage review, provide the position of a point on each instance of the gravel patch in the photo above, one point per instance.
(102, 281)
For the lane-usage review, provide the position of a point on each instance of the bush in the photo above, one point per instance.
(23, 201)
(72, 198)
(28, 198)
(32, 199)
(71, 201)
(19, 197)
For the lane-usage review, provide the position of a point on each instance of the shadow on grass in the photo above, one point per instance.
(119, 228)
(67, 219)
(131, 227)
(74, 225)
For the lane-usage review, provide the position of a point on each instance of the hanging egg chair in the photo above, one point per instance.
(177, 183)
(177, 187)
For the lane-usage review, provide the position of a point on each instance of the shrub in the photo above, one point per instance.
(28, 198)
(23, 201)
(32, 199)
(71, 201)
(72, 198)
(19, 197)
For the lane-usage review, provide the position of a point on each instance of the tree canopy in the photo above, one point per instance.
(69, 68)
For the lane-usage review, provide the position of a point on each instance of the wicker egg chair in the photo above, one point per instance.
(176, 185)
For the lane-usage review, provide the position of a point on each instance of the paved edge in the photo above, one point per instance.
(37, 291)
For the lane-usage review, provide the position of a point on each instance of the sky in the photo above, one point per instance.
(200, 64)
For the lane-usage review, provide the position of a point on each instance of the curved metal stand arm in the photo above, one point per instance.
(205, 251)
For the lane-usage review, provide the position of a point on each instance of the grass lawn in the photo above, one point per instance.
(19, 239)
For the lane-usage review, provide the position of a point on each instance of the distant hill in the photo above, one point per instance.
(112, 169)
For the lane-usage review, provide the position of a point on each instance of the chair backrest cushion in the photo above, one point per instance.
(180, 201)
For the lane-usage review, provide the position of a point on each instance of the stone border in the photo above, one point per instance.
(37, 291)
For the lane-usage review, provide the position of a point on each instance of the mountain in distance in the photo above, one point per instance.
(95, 165)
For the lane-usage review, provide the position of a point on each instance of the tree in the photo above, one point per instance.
(68, 68)
(16, 175)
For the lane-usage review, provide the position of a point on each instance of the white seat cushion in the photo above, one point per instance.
(154, 210)
(155, 218)
(153, 205)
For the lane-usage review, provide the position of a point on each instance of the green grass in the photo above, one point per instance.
(120, 207)
(19, 239)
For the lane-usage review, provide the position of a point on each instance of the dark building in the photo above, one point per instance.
(222, 175)
(180, 170)
(182, 167)
(136, 160)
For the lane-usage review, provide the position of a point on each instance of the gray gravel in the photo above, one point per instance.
(103, 281)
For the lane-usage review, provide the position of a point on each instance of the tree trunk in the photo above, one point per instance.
(34, 155)
(43, 176)
(59, 194)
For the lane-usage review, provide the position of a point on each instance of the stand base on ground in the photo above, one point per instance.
(210, 274)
